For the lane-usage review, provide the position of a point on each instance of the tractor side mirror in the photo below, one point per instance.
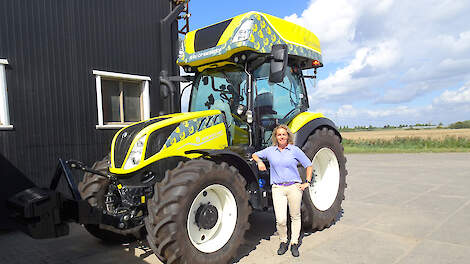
(278, 64)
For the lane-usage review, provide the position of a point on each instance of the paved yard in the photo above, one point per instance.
(399, 208)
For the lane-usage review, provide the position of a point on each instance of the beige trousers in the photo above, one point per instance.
(283, 195)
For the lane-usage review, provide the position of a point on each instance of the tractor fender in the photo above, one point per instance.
(247, 171)
(301, 135)
(230, 157)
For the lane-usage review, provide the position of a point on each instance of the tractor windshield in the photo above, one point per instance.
(281, 101)
(225, 89)
(227, 86)
(221, 87)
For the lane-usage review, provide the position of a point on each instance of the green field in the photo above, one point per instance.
(407, 145)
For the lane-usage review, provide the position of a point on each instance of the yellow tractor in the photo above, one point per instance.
(185, 180)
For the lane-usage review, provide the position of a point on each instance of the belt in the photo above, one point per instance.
(285, 183)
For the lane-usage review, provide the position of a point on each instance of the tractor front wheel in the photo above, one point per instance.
(198, 214)
(92, 189)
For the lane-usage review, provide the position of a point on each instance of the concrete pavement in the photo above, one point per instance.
(399, 209)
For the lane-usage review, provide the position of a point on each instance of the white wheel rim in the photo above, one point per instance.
(211, 240)
(326, 182)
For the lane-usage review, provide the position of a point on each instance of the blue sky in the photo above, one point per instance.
(386, 62)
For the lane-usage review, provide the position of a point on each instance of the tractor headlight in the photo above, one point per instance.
(243, 33)
(136, 154)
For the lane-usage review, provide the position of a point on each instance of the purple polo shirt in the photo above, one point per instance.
(283, 164)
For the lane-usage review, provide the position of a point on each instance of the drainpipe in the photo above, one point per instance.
(174, 96)
(166, 53)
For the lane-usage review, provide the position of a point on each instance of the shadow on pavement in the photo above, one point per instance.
(306, 233)
(262, 227)
(80, 247)
(143, 247)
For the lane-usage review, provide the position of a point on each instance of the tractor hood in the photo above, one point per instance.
(140, 144)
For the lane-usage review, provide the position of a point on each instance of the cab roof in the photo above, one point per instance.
(252, 31)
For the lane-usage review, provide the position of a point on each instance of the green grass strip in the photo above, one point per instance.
(407, 145)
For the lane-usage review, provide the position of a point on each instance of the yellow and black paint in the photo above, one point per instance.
(195, 130)
(266, 31)
(190, 127)
(302, 119)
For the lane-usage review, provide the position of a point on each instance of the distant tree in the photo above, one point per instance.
(460, 124)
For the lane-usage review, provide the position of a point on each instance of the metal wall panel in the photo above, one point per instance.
(52, 46)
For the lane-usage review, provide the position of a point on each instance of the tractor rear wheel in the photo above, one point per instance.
(321, 202)
(92, 189)
(198, 214)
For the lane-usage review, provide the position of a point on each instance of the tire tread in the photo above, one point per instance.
(163, 228)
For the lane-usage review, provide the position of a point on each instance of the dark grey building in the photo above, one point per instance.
(72, 72)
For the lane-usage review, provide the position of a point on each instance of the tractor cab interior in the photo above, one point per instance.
(223, 89)
(226, 89)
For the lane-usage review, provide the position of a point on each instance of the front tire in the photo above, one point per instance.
(321, 203)
(199, 213)
(92, 189)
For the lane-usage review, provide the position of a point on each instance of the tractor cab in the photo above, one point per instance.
(250, 68)
(226, 89)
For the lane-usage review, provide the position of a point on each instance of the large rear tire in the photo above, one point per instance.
(321, 202)
(92, 189)
(198, 214)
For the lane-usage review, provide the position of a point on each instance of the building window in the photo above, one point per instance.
(122, 99)
(4, 113)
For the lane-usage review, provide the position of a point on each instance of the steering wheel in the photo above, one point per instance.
(235, 93)
(210, 101)
(225, 109)
(224, 96)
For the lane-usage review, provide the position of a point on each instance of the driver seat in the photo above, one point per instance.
(265, 113)
(264, 108)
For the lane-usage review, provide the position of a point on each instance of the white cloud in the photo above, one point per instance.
(404, 94)
(361, 74)
(349, 115)
(449, 107)
(445, 69)
(391, 53)
(334, 22)
(461, 96)
(455, 44)
(349, 111)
